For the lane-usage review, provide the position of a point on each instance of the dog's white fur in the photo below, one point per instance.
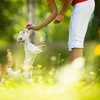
(30, 53)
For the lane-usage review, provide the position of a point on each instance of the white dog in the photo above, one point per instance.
(30, 54)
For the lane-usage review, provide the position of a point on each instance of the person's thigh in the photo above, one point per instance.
(79, 23)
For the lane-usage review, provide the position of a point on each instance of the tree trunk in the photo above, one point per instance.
(31, 17)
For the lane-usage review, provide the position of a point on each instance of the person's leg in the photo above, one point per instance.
(78, 27)
(75, 53)
(70, 57)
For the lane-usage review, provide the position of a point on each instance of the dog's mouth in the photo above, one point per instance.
(19, 40)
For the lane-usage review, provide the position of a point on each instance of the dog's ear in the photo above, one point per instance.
(27, 31)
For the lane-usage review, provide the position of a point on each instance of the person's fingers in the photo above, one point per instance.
(28, 28)
(28, 25)
(56, 22)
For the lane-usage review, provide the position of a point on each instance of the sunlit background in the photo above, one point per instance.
(53, 77)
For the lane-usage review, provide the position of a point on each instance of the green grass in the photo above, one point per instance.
(49, 82)
(47, 86)
(41, 90)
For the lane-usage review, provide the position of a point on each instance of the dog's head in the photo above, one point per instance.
(23, 35)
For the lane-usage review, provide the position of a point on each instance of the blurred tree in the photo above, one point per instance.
(31, 17)
(13, 19)
(60, 32)
(14, 12)
(52, 32)
(94, 25)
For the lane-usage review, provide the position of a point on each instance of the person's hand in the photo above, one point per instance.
(59, 18)
(32, 26)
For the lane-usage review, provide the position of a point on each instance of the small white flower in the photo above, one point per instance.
(92, 73)
(53, 58)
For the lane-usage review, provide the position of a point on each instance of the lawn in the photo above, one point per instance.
(56, 79)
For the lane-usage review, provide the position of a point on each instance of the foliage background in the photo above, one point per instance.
(45, 84)
(14, 18)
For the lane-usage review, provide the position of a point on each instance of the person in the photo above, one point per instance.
(82, 10)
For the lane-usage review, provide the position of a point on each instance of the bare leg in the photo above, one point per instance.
(70, 57)
(75, 53)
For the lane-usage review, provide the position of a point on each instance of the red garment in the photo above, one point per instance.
(73, 3)
(77, 1)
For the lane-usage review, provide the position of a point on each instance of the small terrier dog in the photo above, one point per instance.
(30, 54)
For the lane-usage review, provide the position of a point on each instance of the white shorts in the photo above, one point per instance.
(79, 23)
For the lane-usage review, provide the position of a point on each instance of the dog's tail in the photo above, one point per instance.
(14, 74)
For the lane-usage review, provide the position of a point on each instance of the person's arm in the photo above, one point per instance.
(51, 17)
(64, 9)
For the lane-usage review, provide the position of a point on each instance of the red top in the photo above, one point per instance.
(73, 3)
(77, 1)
